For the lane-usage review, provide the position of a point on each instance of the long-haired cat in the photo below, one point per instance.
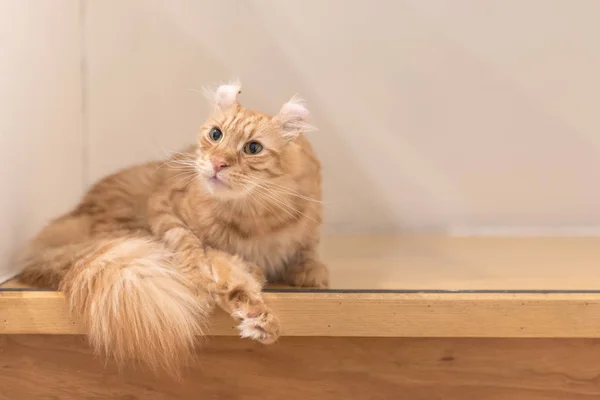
(151, 250)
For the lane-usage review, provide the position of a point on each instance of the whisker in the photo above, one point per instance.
(183, 174)
(273, 187)
(257, 199)
(287, 190)
(292, 193)
(284, 207)
(181, 160)
(280, 201)
(175, 161)
(192, 179)
(263, 191)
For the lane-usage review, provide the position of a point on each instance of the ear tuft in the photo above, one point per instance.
(293, 117)
(226, 95)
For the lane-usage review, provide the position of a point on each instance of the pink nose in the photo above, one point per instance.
(218, 164)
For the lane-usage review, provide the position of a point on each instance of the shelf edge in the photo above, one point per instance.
(509, 315)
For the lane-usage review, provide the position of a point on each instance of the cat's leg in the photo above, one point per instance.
(307, 271)
(229, 282)
(256, 272)
(238, 290)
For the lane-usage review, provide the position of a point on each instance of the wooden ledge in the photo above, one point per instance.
(510, 315)
(566, 268)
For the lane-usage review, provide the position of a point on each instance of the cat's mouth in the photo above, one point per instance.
(217, 181)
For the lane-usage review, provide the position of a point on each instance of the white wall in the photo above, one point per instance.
(40, 119)
(433, 114)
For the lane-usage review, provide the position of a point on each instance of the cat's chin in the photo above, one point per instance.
(220, 189)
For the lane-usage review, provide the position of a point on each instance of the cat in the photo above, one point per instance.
(150, 251)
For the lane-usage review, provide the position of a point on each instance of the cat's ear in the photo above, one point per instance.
(225, 96)
(293, 118)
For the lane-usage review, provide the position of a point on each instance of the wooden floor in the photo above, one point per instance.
(61, 367)
(461, 263)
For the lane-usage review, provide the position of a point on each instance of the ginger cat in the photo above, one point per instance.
(151, 250)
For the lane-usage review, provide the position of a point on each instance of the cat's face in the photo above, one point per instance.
(240, 150)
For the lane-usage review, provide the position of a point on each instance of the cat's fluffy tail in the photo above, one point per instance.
(134, 305)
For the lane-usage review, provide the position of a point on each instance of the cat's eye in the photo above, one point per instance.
(215, 134)
(252, 148)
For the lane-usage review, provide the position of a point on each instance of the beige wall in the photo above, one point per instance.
(40, 135)
(467, 116)
(460, 115)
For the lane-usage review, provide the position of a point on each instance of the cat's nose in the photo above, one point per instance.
(218, 164)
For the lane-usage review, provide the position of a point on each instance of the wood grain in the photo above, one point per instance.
(364, 314)
(61, 367)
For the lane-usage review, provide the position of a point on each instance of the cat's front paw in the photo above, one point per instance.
(309, 274)
(260, 325)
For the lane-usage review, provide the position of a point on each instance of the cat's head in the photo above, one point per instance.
(240, 150)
